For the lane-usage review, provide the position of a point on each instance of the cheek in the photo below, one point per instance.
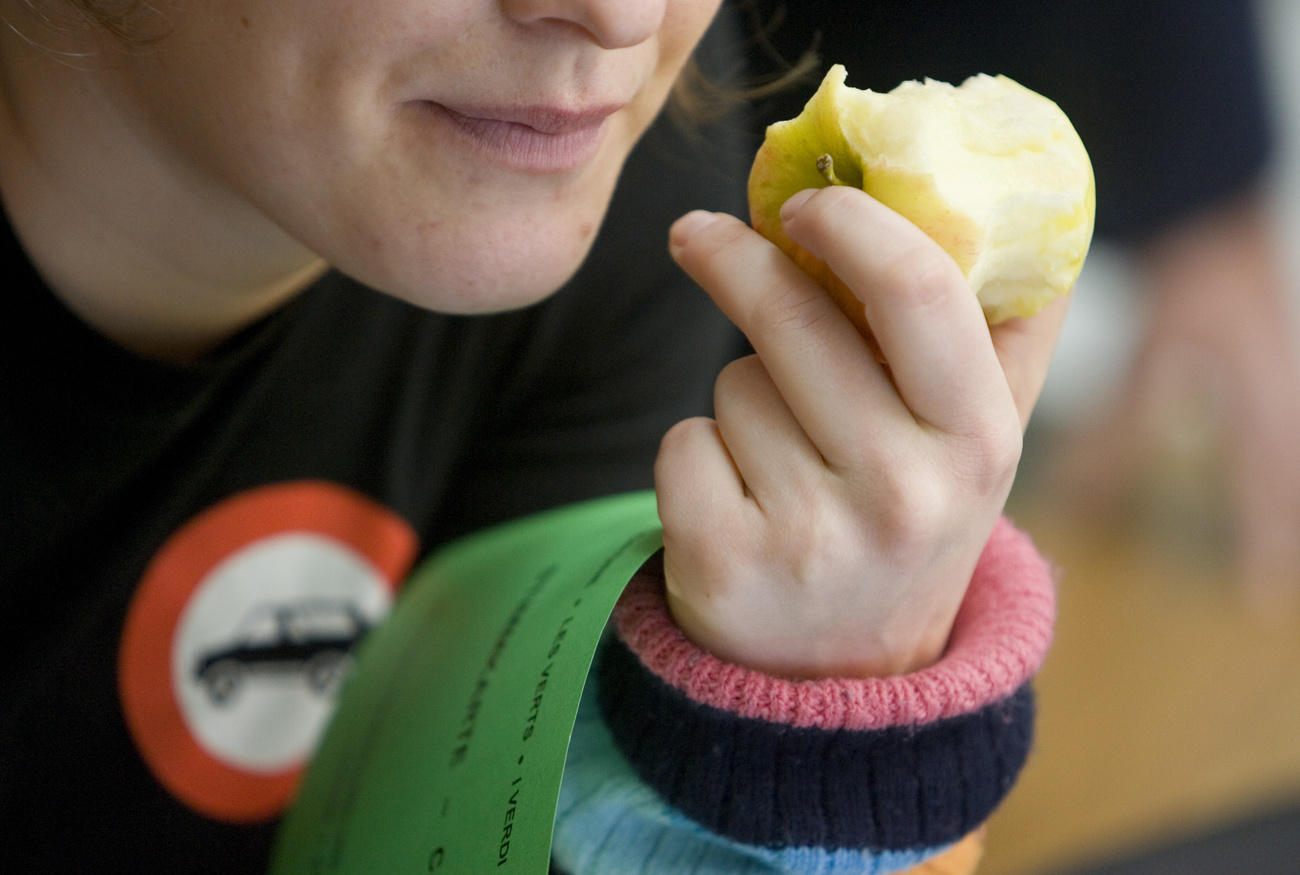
(684, 26)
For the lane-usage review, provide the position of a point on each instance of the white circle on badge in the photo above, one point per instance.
(265, 643)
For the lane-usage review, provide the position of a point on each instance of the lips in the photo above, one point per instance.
(539, 139)
(543, 119)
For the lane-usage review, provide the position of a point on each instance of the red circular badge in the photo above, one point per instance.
(235, 643)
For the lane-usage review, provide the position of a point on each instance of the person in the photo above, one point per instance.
(301, 290)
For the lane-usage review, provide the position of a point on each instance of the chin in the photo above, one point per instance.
(480, 276)
(479, 295)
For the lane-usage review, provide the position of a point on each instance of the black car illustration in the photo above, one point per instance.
(311, 637)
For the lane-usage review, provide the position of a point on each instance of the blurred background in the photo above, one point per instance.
(1162, 469)
(1163, 477)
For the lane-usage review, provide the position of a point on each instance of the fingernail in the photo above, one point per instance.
(689, 224)
(794, 202)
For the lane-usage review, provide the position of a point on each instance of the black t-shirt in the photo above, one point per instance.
(346, 431)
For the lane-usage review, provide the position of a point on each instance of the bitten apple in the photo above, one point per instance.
(992, 171)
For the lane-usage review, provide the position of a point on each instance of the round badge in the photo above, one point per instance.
(241, 633)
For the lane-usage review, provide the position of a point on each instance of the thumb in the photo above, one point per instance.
(1024, 347)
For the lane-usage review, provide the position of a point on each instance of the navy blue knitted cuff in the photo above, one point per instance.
(775, 785)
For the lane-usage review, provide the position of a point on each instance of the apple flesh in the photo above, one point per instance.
(992, 171)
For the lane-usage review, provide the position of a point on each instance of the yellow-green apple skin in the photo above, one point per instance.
(992, 171)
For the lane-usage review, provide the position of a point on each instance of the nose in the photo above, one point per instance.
(612, 24)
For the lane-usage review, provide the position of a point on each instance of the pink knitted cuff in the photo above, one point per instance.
(998, 642)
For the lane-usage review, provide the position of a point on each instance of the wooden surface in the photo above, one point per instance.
(1167, 704)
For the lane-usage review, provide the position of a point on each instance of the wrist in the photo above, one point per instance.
(875, 654)
(869, 631)
(998, 641)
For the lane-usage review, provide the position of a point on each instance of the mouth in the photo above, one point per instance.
(535, 139)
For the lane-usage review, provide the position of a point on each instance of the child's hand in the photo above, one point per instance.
(828, 521)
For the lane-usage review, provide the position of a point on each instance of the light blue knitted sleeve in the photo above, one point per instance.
(609, 822)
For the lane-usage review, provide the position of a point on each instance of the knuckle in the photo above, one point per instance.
(679, 441)
(792, 309)
(736, 376)
(912, 502)
(691, 513)
(923, 277)
(815, 537)
(992, 460)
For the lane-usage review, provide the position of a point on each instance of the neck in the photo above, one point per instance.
(160, 260)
